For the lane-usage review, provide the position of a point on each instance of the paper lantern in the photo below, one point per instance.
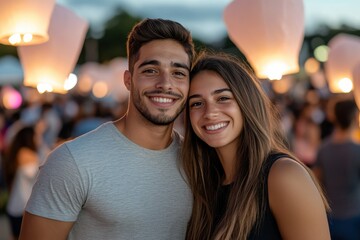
(344, 53)
(49, 64)
(356, 81)
(25, 22)
(268, 33)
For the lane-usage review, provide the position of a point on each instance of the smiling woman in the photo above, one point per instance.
(246, 183)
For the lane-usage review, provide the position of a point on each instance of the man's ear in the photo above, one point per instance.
(127, 79)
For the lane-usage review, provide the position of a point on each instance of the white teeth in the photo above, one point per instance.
(162, 100)
(216, 126)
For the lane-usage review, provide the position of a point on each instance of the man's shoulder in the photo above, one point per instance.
(87, 144)
(87, 149)
(92, 137)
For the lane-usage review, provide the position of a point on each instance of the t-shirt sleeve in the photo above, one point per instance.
(59, 192)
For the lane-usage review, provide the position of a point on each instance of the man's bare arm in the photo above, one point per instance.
(36, 227)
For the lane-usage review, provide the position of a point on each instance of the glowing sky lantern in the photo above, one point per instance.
(344, 53)
(47, 66)
(268, 33)
(25, 22)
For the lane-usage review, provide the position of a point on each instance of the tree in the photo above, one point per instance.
(113, 43)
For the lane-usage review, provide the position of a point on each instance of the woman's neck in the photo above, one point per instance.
(227, 156)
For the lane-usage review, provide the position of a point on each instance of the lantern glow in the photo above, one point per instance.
(345, 84)
(25, 22)
(70, 82)
(274, 70)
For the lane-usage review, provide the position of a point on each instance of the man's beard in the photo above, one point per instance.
(159, 119)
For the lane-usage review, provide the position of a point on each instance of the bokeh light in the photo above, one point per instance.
(11, 98)
(321, 53)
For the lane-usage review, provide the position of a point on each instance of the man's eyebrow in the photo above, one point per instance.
(157, 63)
(180, 65)
(149, 62)
(217, 91)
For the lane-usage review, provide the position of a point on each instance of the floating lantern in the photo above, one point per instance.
(25, 22)
(268, 33)
(344, 53)
(47, 66)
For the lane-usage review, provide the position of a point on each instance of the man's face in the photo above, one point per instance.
(159, 84)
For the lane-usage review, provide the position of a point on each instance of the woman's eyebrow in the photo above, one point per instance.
(217, 91)
(221, 90)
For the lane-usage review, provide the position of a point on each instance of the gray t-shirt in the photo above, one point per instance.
(113, 188)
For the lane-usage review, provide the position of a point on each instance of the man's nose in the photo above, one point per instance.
(164, 80)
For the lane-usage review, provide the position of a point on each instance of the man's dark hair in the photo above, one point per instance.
(154, 29)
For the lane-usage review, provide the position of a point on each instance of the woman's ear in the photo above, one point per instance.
(127, 79)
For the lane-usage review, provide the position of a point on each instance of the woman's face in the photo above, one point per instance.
(215, 115)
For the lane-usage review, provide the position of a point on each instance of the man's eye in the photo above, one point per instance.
(149, 71)
(181, 74)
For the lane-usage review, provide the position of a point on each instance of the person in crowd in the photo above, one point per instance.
(307, 134)
(20, 166)
(338, 168)
(123, 179)
(245, 182)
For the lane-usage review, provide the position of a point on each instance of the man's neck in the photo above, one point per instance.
(145, 134)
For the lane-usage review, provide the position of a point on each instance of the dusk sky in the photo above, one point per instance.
(204, 18)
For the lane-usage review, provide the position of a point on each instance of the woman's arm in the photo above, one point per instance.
(296, 202)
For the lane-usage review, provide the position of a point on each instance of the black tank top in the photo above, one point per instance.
(267, 228)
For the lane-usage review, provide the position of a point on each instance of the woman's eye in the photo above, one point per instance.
(222, 99)
(195, 104)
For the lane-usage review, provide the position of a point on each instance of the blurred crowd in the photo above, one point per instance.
(28, 134)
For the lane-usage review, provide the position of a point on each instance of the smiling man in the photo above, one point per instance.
(122, 180)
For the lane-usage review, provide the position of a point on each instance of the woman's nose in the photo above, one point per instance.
(211, 111)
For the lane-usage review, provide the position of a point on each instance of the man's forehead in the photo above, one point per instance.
(163, 48)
